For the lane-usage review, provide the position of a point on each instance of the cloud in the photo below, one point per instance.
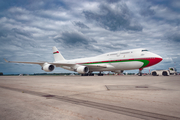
(21, 32)
(174, 37)
(147, 11)
(112, 46)
(3, 34)
(170, 4)
(114, 17)
(165, 10)
(167, 60)
(80, 24)
(75, 39)
(113, 1)
(29, 29)
(34, 5)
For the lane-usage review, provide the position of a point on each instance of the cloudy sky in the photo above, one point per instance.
(84, 28)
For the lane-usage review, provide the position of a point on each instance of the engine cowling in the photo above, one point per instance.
(82, 69)
(48, 67)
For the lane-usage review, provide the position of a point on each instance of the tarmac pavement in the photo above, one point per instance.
(89, 97)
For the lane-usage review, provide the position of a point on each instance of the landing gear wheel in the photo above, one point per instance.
(139, 74)
(91, 74)
(100, 74)
(88, 74)
(84, 74)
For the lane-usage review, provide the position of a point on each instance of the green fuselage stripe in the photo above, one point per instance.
(146, 62)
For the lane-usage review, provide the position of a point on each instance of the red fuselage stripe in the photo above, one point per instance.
(152, 61)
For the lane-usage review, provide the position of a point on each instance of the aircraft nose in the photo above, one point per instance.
(154, 59)
(159, 58)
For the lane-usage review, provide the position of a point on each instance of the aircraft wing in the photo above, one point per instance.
(63, 64)
(41, 63)
(59, 64)
(24, 62)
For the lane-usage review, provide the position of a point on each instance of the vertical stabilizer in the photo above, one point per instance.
(57, 55)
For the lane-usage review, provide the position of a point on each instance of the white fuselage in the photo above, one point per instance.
(120, 60)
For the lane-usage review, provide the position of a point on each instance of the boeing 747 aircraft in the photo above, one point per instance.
(114, 61)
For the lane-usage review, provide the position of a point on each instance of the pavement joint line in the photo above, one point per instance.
(107, 87)
(102, 106)
(85, 93)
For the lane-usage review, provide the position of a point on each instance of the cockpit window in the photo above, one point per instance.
(144, 50)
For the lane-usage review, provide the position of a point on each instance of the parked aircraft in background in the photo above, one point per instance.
(114, 61)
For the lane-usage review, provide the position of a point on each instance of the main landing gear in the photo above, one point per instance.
(100, 74)
(140, 72)
(88, 74)
(91, 74)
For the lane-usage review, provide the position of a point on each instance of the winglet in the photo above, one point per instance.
(6, 60)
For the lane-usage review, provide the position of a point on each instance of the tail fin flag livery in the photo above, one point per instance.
(57, 55)
(114, 61)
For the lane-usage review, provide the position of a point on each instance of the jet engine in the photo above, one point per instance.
(48, 67)
(82, 69)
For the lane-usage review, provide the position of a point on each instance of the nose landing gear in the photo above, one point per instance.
(140, 72)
